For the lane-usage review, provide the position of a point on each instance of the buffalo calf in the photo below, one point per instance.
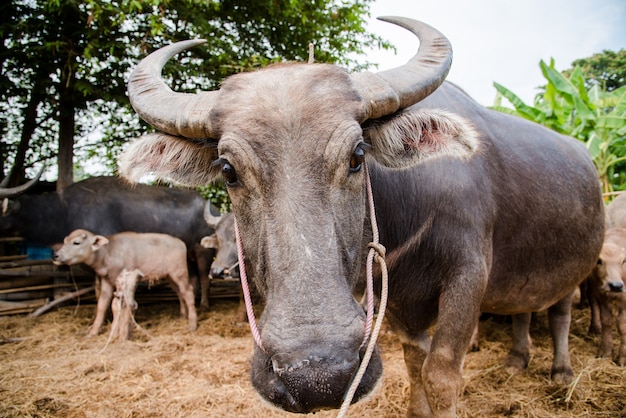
(606, 287)
(157, 256)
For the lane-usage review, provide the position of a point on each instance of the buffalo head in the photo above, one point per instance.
(292, 141)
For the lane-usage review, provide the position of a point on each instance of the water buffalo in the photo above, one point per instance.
(156, 256)
(224, 242)
(226, 262)
(107, 205)
(479, 211)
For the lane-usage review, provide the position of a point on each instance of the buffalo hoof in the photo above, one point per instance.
(516, 362)
(563, 377)
(594, 330)
(604, 351)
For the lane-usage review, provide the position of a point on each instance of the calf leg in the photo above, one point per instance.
(595, 324)
(186, 293)
(605, 348)
(475, 341)
(104, 301)
(184, 312)
(621, 327)
(519, 356)
(559, 317)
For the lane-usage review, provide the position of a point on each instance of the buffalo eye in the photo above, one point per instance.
(229, 174)
(357, 159)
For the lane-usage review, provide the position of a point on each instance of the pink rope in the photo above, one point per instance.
(246, 290)
(369, 276)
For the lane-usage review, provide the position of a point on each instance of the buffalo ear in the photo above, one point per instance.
(169, 157)
(410, 137)
(209, 242)
(98, 241)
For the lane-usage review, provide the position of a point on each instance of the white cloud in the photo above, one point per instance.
(503, 41)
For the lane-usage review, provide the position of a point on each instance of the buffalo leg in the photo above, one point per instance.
(414, 355)
(204, 257)
(559, 317)
(519, 356)
(104, 301)
(441, 371)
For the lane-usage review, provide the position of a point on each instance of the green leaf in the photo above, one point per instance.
(521, 108)
(611, 122)
(562, 85)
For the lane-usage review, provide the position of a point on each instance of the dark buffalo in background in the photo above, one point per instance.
(108, 205)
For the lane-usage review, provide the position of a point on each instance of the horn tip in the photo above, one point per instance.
(392, 19)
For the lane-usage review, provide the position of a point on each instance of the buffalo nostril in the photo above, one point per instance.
(217, 273)
(616, 287)
(285, 363)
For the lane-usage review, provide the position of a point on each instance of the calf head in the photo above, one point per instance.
(608, 274)
(80, 246)
(292, 141)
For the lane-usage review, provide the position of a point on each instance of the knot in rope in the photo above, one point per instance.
(380, 250)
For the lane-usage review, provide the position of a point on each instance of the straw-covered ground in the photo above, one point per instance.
(49, 369)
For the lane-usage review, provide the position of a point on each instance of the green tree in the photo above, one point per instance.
(606, 69)
(64, 62)
(593, 115)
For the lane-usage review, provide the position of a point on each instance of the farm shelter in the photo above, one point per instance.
(50, 370)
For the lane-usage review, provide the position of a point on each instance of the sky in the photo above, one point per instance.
(504, 40)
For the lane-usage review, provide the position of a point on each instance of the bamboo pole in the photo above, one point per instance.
(62, 299)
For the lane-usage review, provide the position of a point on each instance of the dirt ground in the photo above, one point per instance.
(49, 369)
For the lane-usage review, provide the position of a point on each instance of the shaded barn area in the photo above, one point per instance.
(50, 369)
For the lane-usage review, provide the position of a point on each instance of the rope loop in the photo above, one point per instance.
(380, 250)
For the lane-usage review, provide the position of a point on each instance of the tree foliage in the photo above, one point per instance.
(606, 69)
(579, 106)
(65, 63)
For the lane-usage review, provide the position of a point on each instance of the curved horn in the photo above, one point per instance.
(5, 181)
(388, 91)
(210, 219)
(181, 114)
(14, 191)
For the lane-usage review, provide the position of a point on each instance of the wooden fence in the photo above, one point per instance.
(27, 285)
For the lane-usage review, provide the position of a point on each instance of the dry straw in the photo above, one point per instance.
(49, 369)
